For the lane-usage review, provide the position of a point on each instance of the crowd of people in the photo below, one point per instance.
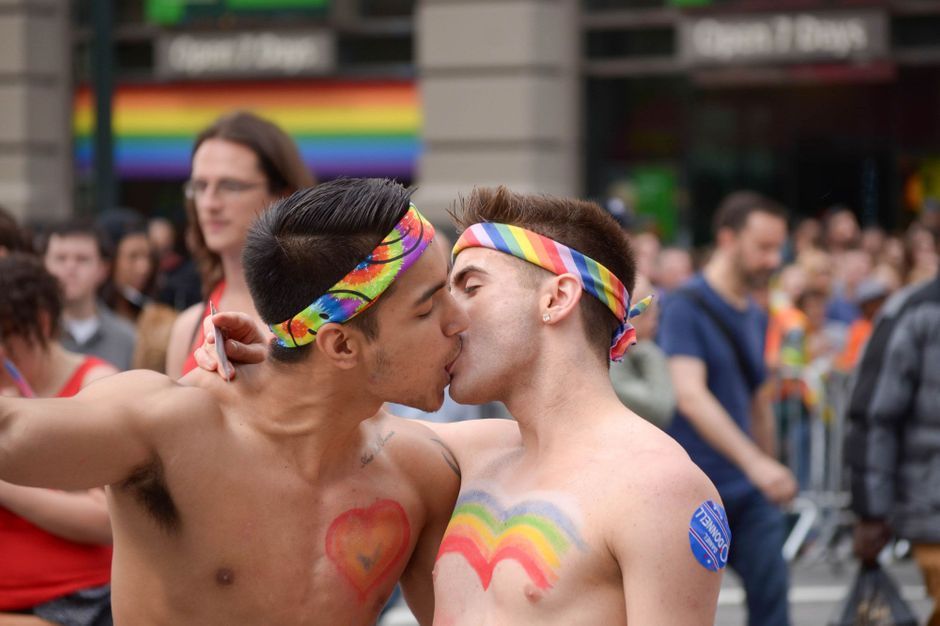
(733, 339)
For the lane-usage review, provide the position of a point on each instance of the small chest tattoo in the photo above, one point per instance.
(370, 454)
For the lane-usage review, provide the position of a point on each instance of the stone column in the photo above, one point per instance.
(501, 94)
(35, 104)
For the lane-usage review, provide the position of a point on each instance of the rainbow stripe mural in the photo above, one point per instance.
(342, 128)
(536, 534)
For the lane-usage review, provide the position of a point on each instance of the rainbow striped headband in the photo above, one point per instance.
(558, 258)
(362, 286)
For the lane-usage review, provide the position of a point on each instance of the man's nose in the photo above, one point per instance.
(459, 320)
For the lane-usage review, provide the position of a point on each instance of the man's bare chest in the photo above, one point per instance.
(266, 538)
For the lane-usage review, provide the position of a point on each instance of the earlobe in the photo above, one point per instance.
(338, 345)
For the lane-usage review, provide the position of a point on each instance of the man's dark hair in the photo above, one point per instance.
(27, 289)
(305, 243)
(81, 228)
(578, 224)
(737, 207)
(12, 237)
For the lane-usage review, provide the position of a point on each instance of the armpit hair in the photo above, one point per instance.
(149, 487)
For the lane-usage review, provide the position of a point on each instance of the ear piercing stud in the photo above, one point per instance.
(546, 317)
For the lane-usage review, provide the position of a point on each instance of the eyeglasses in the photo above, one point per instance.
(226, 188)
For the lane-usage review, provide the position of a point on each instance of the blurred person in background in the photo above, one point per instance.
(55, 545)
(713, 334)
(162, 237)
(673, 268)
(840, 229)
(12, 237)
(892, 447)
(788, 285)
(78, 254)
(922, 252)
(130, 287)
(807, 235)
(894, 254)
(870, 297)
(873, 240)
(642, 380)
(240, 165)
(646, 248)
(851, 267)
(177, 282)
(796, 354)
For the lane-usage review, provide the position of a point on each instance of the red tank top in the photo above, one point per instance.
(215, 298)
(36, 566)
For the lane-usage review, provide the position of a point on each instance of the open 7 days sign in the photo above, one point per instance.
(783, 37)
(246, 54)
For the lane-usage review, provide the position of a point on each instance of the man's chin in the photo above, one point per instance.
(428, 405)
(463, 394)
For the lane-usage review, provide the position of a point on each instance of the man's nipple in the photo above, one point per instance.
(533, 594)
(224, 577)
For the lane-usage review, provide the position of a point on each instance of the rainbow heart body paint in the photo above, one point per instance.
(535, 533)
(367, 544)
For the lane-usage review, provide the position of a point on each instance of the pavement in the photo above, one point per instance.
(817, 590)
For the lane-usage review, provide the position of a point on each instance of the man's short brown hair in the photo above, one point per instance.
(578, 224)
(737, 207)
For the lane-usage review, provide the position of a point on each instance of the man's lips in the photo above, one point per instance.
(450, 364)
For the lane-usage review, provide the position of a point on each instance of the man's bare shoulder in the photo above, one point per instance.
(148, 395)
(416, 446)
(646, 472)
(473, 439)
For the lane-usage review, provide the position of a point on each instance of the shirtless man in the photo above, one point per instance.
(278, 500)
(583, 513)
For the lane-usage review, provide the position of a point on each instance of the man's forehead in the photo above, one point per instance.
(73, 240)
(492, 261)
(430, 269)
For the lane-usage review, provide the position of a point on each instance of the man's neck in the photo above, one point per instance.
(723, 278)
(560, 401)
(316, 429)
(79, 310)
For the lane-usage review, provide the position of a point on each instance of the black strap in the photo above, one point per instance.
(750, 376)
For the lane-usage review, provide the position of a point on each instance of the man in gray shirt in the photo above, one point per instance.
(77, 255)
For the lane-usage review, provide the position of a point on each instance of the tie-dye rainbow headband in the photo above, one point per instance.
(361, 287)
(558, 258)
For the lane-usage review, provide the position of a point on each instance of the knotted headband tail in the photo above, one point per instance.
(558, 258)
(362, 286)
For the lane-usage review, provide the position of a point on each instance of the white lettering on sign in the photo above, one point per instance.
(248, 53)
(784, 37)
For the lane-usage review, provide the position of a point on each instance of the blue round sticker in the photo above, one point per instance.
(710, 536)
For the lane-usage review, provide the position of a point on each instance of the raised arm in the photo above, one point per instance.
(92, 439)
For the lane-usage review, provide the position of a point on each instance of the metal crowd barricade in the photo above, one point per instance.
(813, 450)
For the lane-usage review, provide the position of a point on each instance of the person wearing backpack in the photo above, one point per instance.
(713, 333)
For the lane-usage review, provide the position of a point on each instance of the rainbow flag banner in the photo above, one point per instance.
(342, 128)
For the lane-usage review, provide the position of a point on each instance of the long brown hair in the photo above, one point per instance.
(280, 161)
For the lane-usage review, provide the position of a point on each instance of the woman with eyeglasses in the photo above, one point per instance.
(240, 165)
